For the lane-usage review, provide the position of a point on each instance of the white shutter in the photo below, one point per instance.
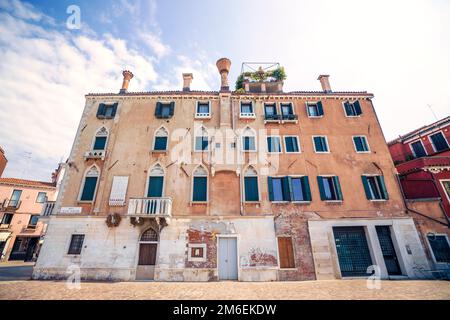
(118, 191)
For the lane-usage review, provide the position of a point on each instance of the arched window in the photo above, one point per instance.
(155, 187)
(200, 184)
(201, 139)
(248, 140)
(251, 191)
(161, 139)
(89, 185)
(149, 235)
(100, 139)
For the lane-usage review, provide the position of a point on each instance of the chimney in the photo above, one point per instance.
(223, 65)
(187, 79)
(127, 76)
(324, 82)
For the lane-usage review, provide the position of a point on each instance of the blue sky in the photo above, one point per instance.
(398, 50)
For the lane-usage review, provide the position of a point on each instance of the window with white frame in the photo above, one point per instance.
(202, 140)
(248, 140)
(352, 109)
(161, 139)
(314, 109)
(247, 109)
(251, 190)
(155, 187)
(270, 111)
(320, 144)
(89, 185)
(41, 197)
(291, 144)
(374, 187)
(438, 141)
(203, 109)
(273, 144)
(329, 188)
(440, 247)
(200, 185)
(287, 111)
(418, 149)
(361, 145)
(100, 139)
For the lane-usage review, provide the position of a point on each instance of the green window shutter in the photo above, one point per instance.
(321, 188)
(366, 187)
(320, 108)
(155, 187)
(358, 143)
(100, 143)
(158, 110)
(251, 189)
(338, 188)
(383, 187)
(114, 110)
(348, 109)
(318, 144)
(200, 189)
(160, 143)
(357, 107)
(286, 181)
(364, 144)
(172, 108)
(289, 143)
(101, 110)
(306, 188)
(270, 188)
(89, 189)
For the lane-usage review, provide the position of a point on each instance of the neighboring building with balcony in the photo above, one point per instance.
(21, 227)
(252, 185)
(422, 159)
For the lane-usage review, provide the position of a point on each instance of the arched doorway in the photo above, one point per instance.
(148, 246)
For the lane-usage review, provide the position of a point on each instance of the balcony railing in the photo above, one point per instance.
(247, 115)
(9, 204)
(47, 208)
(203, 115)
(272, 118)
(150, 207)
(289, 117)
(95, 154)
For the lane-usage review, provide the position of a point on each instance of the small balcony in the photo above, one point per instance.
(47, 208)
(203, 115)
(150, 207)
(247, 115)
(4, 226)
(272, 118)
(289, 118)
(95, 154)
(10, 205)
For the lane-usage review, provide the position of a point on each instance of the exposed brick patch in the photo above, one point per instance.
(208, 238)
(297, 227)
(259, 258)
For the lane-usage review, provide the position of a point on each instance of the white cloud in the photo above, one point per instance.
(45, 74)
(155, 44)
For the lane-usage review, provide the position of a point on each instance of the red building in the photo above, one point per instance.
(422, 159)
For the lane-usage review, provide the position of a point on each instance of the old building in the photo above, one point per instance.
(422, 158)
(3, 161)
(255, 184)
(21, 227)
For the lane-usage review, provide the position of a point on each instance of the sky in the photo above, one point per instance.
(398, 50)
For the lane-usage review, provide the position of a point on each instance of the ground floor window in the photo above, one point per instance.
(76, 244)
(286, 252)
(440, 247)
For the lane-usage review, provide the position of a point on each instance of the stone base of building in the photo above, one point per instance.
(188, 249)
(410, 259)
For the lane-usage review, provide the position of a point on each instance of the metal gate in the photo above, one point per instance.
(353, 251)
(388, 250)
(228, 269)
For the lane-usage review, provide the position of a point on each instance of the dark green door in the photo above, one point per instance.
(388, 250)
(353, 251)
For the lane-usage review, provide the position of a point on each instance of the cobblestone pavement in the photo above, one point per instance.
(333, 289)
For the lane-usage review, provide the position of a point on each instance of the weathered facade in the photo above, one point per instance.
(251, 185)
